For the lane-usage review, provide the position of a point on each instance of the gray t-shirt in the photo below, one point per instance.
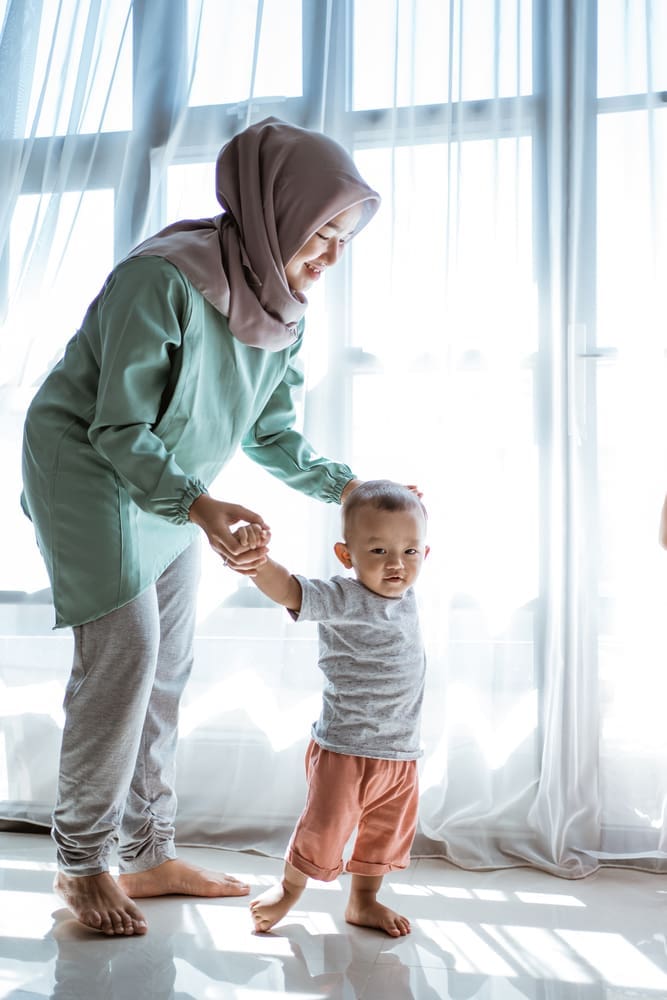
(372, 656)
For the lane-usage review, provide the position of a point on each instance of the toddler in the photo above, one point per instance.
(361, 762)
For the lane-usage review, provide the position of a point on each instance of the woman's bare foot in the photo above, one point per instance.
(370, 913)
(97, 902)
(178, 878)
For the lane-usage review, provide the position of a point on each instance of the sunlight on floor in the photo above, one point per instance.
(229, 932)
(618, 962)
(490, 895)
(29, 866)
(502, 935)
(26, 914)
(535, 951)
(470, 952)
(402, 889)
(450, 892)
(549, 899)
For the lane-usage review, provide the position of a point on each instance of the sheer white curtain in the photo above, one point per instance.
(496, 335)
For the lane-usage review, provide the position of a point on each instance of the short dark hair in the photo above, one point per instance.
(382, 494)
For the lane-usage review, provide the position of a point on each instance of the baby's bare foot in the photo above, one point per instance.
(178, 878)
(97, 902)
(272, 906)
(369, 913)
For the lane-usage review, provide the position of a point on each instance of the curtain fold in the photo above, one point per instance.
(497, 335)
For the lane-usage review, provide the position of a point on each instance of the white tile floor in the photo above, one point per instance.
(502, 935)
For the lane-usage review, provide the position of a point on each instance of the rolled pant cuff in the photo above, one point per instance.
(367, 868)
(311, 870)
(148, 860)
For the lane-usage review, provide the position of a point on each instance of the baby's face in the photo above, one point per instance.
(386, 549)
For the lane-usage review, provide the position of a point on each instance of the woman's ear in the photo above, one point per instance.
(343, 555)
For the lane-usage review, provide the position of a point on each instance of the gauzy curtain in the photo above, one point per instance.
(497, 335)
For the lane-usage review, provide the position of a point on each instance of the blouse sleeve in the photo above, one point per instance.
(273, 443)
(141, 322)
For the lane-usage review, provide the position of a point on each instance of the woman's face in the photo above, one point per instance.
(322, 250)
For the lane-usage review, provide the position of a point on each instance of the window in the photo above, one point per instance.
(497, 333)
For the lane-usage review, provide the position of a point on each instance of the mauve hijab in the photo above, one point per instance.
(278, 184)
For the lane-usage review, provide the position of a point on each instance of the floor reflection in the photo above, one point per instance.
(512, 935)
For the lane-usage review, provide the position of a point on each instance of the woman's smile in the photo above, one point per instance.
(327, 243)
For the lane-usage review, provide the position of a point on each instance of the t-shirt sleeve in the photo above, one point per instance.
(321, 600)
(143, 311)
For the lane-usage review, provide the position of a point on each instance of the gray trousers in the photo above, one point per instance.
(117, 761)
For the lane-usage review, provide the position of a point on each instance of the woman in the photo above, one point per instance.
(187, 353)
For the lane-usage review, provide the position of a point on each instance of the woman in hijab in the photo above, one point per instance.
(187, 353)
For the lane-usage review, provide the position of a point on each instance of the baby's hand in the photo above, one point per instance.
(253, 537)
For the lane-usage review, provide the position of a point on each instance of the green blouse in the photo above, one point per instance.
(150, 400)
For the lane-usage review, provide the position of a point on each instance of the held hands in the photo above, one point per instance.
(242, 550)
(270, 577)
(255, 539)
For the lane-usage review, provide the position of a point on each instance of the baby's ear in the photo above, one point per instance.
(343, 555)
(427, 549)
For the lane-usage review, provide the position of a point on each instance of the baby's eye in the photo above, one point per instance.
(411, 552)
(378, 552)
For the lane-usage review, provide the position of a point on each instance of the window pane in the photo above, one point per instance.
(465, 211)
(449, 382)
(224, 33)
(191, 192)
(21, 567)
(631, 415)
(51, 250)
(632, 171)
(88, 72)
(427, 51)
(632, 51)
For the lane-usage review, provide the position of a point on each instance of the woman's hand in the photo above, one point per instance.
(349, 486)
(244, 549)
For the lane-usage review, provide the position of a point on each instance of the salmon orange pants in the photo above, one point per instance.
(377, 797)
